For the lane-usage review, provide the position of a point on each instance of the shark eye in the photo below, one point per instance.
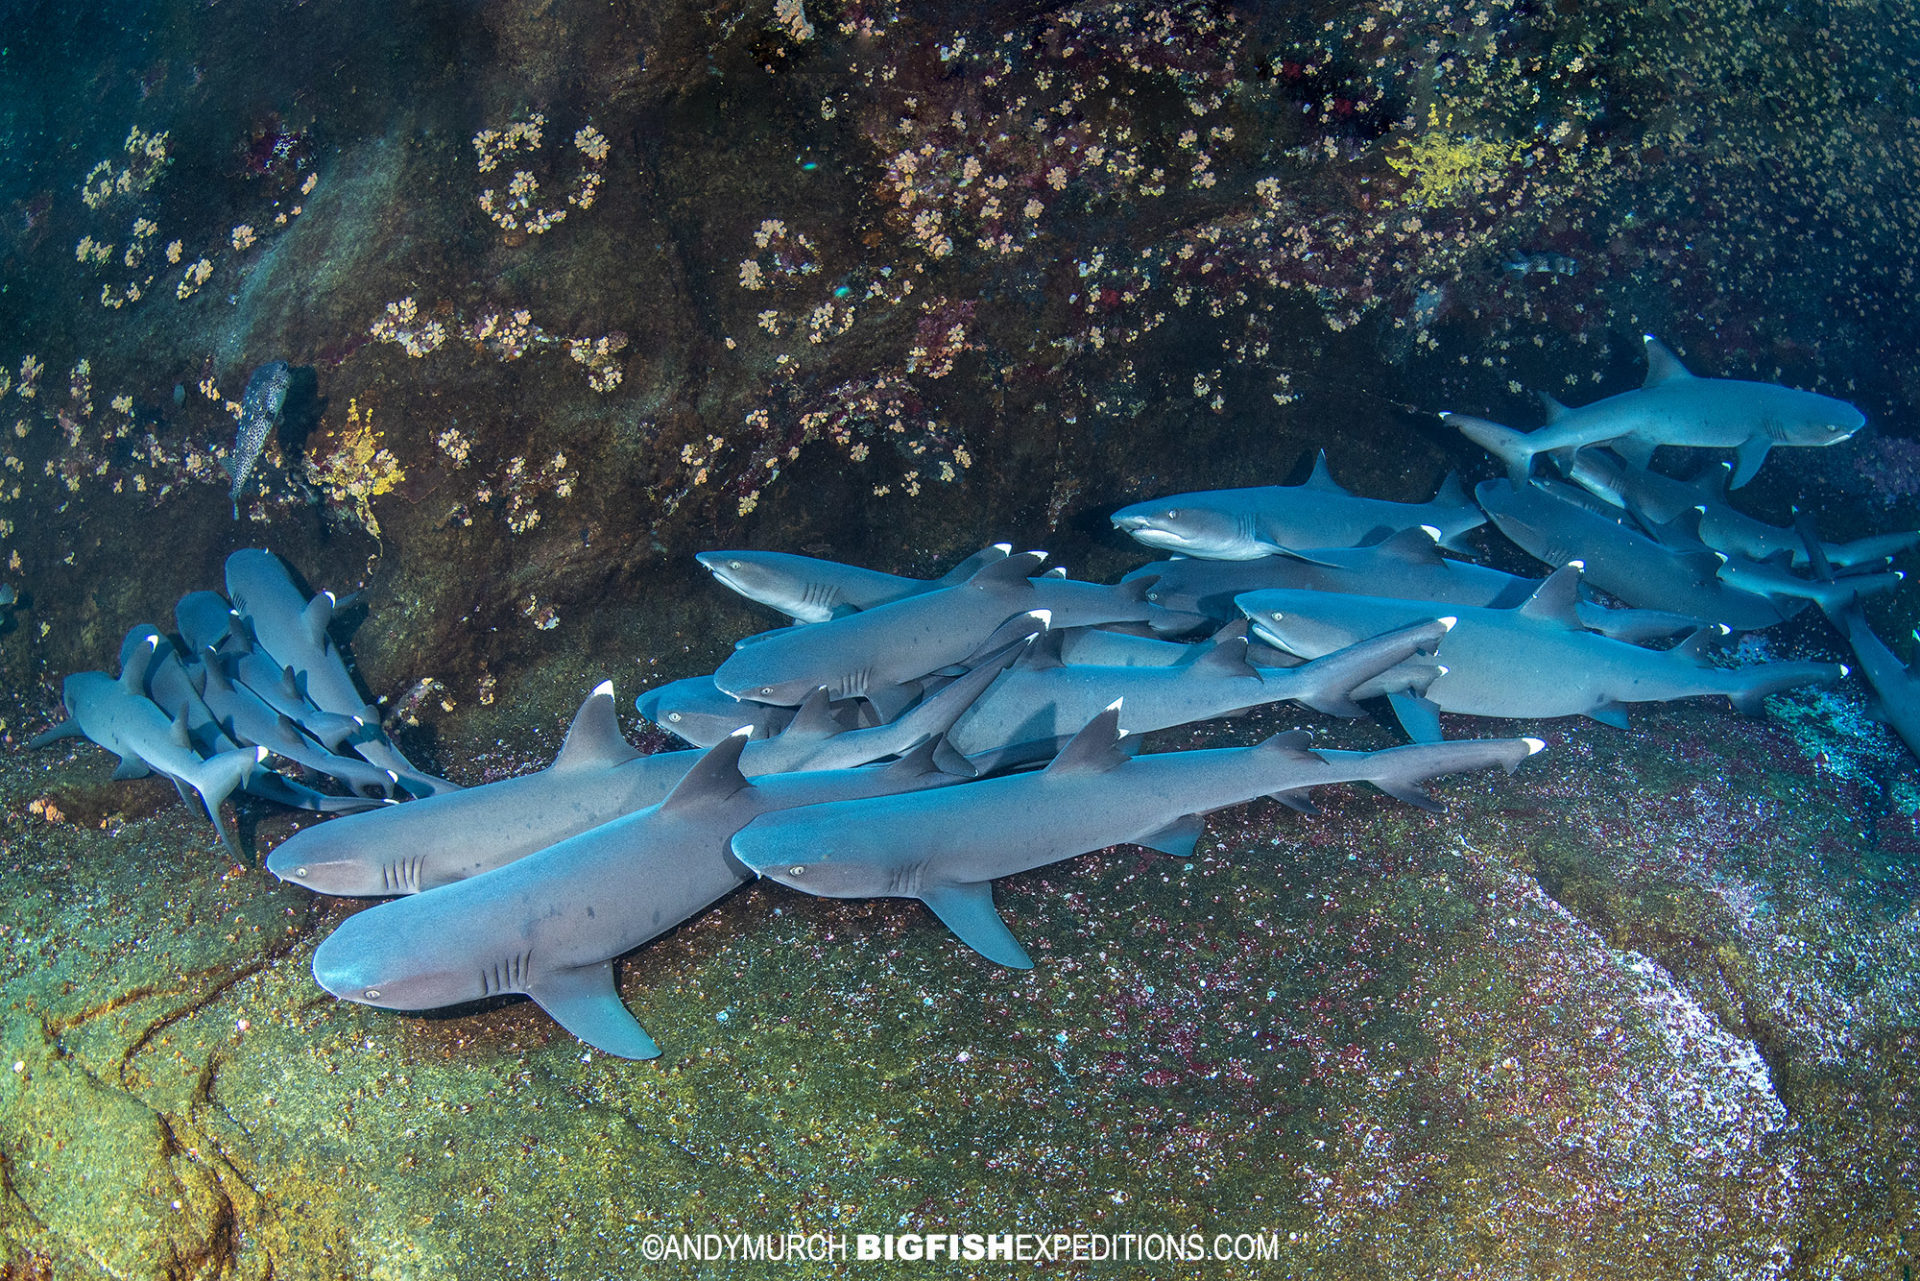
(734, 564)
(1173, 513)
(797, 871)
(674, 717)
(299, 871)
(766, 689)
(373, 994)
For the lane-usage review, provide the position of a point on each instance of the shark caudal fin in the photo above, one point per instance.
(1504, 443)
(1327, 683)
(1754, 684)
(1402, 772)
(218, 778)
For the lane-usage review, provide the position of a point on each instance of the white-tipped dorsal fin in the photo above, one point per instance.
(1662, 365)
(1534, 745)
(714, 777)
(594, 740)
(1096, 748)
(1556, 600)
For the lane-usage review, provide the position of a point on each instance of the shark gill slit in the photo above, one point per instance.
(1243, 523)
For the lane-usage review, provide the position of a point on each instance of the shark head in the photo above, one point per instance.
(761, 581)
(769, 849)
(1191, 529)
(1808, 418)
(328, 861)
(375, 959)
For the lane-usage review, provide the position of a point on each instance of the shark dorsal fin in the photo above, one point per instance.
(1451, 492)
(1008, 571)
(593, 740)
(1416, 546)
(714, 777)
(1697, 648)
(815, 719)
(1662, 365)
(924, 759)
(1556, 600)
(1291, 743)
(971, 565)
(177, 732)
(1552, 408)
(968, 911)
(316, 618)
(1322, 478)
(1227, 656)
(1045, 651)
(1095, 749)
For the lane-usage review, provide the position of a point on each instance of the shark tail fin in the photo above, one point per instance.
(65, 729)
(1756, 683)
(1327, 683)
(1504, 443)
(218, 778)
(1401, 772)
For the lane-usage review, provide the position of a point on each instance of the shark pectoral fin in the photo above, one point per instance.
(968, 911)
(1747, 460)
(1177, 839)
(130, 767)
(1419, 716)
(1614, 714)
(583, 1002)
(1636, 451)
(842, 610)
(1298, 799)
(891, 700)
(1410, 792)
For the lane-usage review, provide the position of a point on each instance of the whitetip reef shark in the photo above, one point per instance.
(549, 925)
(1674, 407)
(118, 715)
(1242, 524)
(882, 654)
(946, 848)
(809, 590)
(596, 777)
(1532, 661)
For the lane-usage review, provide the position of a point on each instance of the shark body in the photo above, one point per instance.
(1242, 524)
(119, 716)
(290, 632)
(882, 654)
(1674, 407)
(1049, 701)
(550, 925)
(1407, 565)
(596, 777)
(1531, 661)
(809, 590)
(946, 848)
(1545, 520)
